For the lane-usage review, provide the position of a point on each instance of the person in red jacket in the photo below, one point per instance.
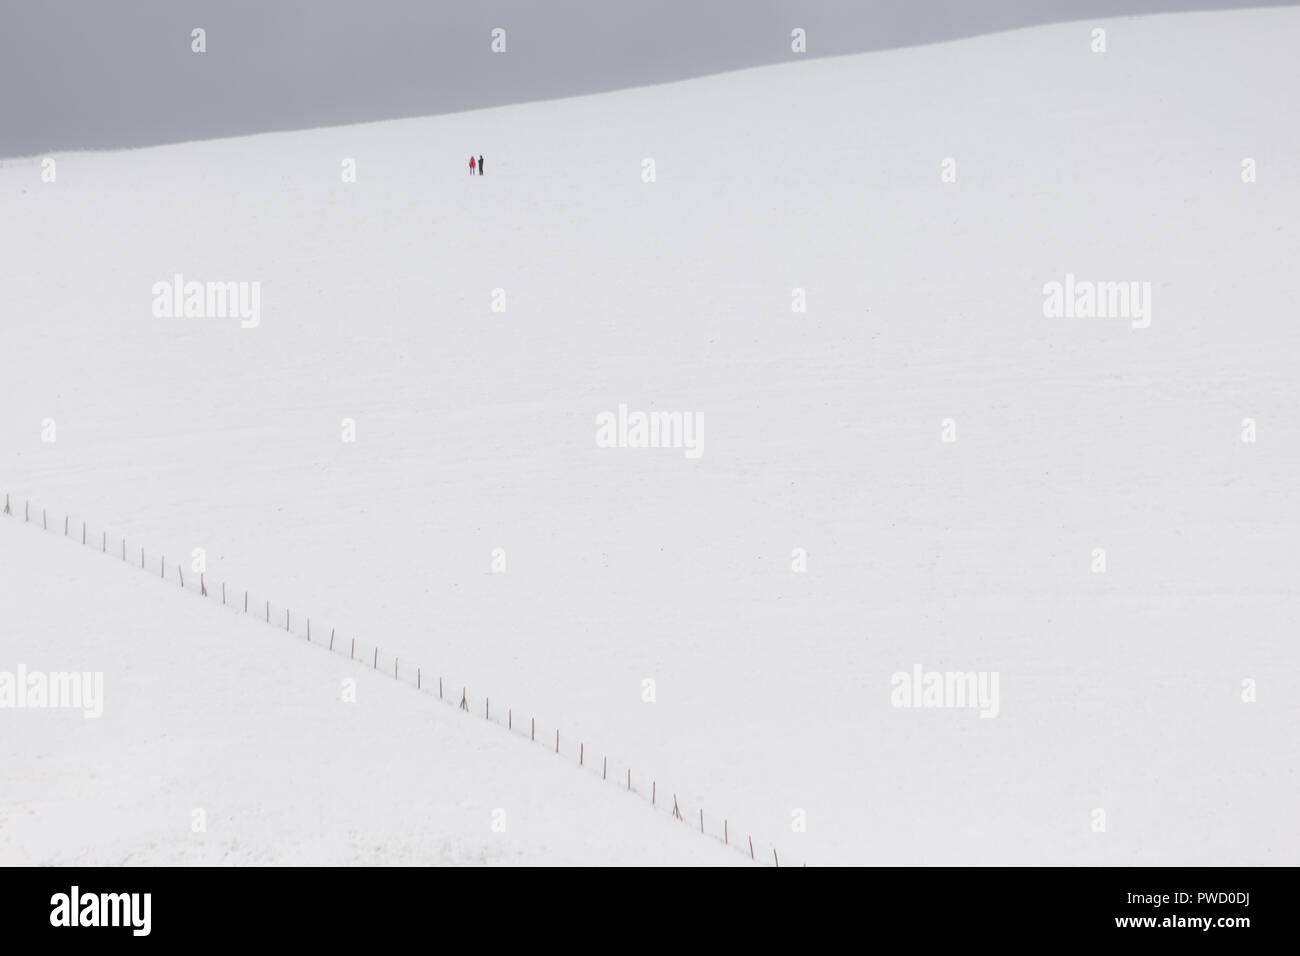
(471, 165)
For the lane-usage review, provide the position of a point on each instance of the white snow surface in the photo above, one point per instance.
(475, 431)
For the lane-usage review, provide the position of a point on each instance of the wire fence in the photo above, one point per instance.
(296, 623)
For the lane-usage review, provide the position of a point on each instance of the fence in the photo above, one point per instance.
(422, 679)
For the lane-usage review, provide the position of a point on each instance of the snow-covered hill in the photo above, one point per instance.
(219, 741)
(824, 430)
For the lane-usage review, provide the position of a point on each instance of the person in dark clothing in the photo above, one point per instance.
(480, 165)
(471, 165)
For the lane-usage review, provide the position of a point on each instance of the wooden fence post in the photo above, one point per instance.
(582, 752)
(353, 653)
(751, 847)
(726, 835)
(83, 532)
(331, 638)
(604, 769)
(375, 664)
(774, 857)
(203, 588)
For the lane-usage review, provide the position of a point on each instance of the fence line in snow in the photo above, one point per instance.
(282, 618)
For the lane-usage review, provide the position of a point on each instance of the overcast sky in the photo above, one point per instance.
(114, 73)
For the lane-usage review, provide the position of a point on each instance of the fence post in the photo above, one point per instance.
(532, 733)
(629, 778)
(487, 708)
(353, 653)
(180, 574)
(557, 740)
(104, 546)
(44, 524)
(245, 602)
(582, 751)
(286, 619)
(203, 588)
(654, 792)
(726, 836)
(751, 847)
(331, 638)
(309, 629)
(162, 566)
(142, 558)
(223, 593)
(604, 769)
(774, 857)
(701, 819)
(394, 668)
(375, 664)
(83, 532)
(65, 526)
(268, 612)
(417, 678)
(440, 688)
(27, 511)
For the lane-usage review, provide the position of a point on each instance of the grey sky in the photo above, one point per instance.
(80, 74)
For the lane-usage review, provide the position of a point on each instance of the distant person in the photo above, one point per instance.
(471, 165)
(480, 165)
